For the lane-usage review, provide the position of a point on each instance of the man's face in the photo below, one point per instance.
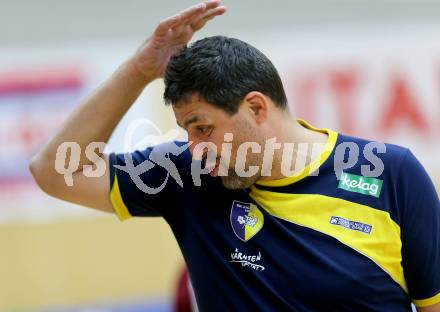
(207, 123)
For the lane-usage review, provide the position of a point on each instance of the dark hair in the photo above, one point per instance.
(222, 71)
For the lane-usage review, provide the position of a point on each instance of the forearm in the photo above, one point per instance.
(95, 118)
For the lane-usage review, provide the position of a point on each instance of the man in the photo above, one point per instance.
(341, 232)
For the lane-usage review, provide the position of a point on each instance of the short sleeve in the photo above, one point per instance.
(148, 182)
(420, 211)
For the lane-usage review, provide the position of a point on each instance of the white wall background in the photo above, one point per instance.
(26, 22)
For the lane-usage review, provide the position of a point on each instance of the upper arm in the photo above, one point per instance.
(148, 182)
(142, 183)
(88, 188)
(419, 208)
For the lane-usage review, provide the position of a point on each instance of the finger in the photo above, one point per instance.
(198, 24)
(210, 14)
(167, 24)
(192, 11)
(179, 18)
(208, 5)
(212, 4)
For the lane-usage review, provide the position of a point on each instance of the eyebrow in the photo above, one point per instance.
(191, 120)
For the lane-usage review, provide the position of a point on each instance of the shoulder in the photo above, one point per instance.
(373, 168)
(367, 154)
(176, 160)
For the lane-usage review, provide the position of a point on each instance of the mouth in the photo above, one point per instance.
(214, 171)
(212, 166)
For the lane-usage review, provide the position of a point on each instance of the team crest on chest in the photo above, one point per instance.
(246, 220)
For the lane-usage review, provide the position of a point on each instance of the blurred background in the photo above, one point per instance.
(367, 68)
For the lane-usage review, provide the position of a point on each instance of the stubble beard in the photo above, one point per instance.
(235, 182)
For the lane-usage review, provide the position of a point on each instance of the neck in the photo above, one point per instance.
(298, 146)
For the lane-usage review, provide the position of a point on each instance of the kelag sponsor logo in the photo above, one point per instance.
(360, 184)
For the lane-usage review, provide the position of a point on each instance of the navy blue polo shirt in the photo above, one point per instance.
(328, 238)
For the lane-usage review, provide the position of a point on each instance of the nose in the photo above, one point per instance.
(194, 143)
(200, 154)
(191, 148)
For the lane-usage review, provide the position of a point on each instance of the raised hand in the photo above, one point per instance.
(171, 36)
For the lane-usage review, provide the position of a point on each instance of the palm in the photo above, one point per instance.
(171, 36)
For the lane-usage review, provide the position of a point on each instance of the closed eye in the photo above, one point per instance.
(205, 130)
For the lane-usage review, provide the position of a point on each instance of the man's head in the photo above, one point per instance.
(219, 85)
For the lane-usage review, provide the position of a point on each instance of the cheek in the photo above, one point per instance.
(215, 140)
(235, 153)
(247, 154)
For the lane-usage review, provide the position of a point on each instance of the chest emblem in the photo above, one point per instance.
(246, 220)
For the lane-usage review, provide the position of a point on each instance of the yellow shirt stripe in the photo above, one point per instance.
(314, 165)
(382, 245)
(427, 302)
(117, 201)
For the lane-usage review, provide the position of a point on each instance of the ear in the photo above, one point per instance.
(258, 105)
